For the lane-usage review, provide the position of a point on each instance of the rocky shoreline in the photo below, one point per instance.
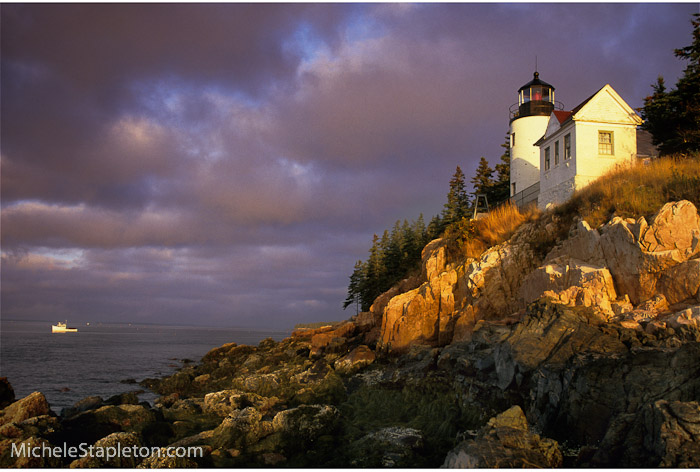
(581, 351)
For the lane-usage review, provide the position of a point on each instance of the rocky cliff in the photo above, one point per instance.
(563, 346)
(626, 271)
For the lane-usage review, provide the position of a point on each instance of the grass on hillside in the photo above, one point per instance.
(628, 192)
(632, 192)
(473, 237)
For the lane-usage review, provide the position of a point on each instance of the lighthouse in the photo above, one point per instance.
(528, 123)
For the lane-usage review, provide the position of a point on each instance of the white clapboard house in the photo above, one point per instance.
(555, 152)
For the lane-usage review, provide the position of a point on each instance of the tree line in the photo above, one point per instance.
(673, 117)
(397, 254)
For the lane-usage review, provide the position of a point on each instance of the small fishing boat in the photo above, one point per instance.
(62, 328)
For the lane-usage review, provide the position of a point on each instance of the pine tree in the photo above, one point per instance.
(435, 227)
(673, 117)
(500, 191)
(482, 182)
(420, 233)
(457, 206)
(409, 248)
(376, 271)
(394, 253)
(357, 281)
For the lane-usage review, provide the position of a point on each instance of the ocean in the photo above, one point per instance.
(103, 359)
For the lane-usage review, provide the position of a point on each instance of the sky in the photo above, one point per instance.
(227, 164)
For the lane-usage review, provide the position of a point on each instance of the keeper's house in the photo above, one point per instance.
(555, 152)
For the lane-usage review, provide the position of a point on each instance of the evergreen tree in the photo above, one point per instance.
(376, 272)
(357, 280)
(500, 190)
(420, 233)
(435, 227)
(673, 117)
(482, 182)
(457, 206)
(394, 253)
(409, 247)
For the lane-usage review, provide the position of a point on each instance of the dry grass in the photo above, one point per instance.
(473, 237)
(636, 191)
(628, 192)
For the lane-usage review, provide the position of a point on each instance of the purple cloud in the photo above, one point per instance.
(227, 164)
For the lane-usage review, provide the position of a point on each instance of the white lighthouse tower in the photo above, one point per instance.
(528, 122)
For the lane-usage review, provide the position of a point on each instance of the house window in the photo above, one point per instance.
(605, 142)
(546, 159)
(556, 153)
(513, 187)
(512, 140)
(567, 146)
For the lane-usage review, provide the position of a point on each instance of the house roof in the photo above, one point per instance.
(565, 117)
(645, 144)
(561, 115)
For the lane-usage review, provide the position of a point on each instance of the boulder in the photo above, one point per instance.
(582, 245)
(553, 333)
(681, 282)
(219, 353)
(91, 425)
(506, 442)
(306, 421)
(573, 283)
(637, 254)
(161, 460)
(38, 426)
(333, 340)
(238, 430)
(359, 357)
(388, 447)
(27, 459)
(34, 404)
(380, 303)
(687, 317)
(412, 318)
(224, 402)
(423, 315)
(87, 403)
(675, 227)
(128, 398)
(105, 453)
(434, 259)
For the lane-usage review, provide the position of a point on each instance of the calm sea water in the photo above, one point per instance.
(66, 367)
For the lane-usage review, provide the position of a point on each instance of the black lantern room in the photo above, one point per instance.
(535, 98)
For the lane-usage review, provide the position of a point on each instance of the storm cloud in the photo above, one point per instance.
(227, 164)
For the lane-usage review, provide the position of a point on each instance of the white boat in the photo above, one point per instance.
(61, 328)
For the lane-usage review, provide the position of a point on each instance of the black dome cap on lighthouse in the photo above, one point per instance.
(536, 81)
